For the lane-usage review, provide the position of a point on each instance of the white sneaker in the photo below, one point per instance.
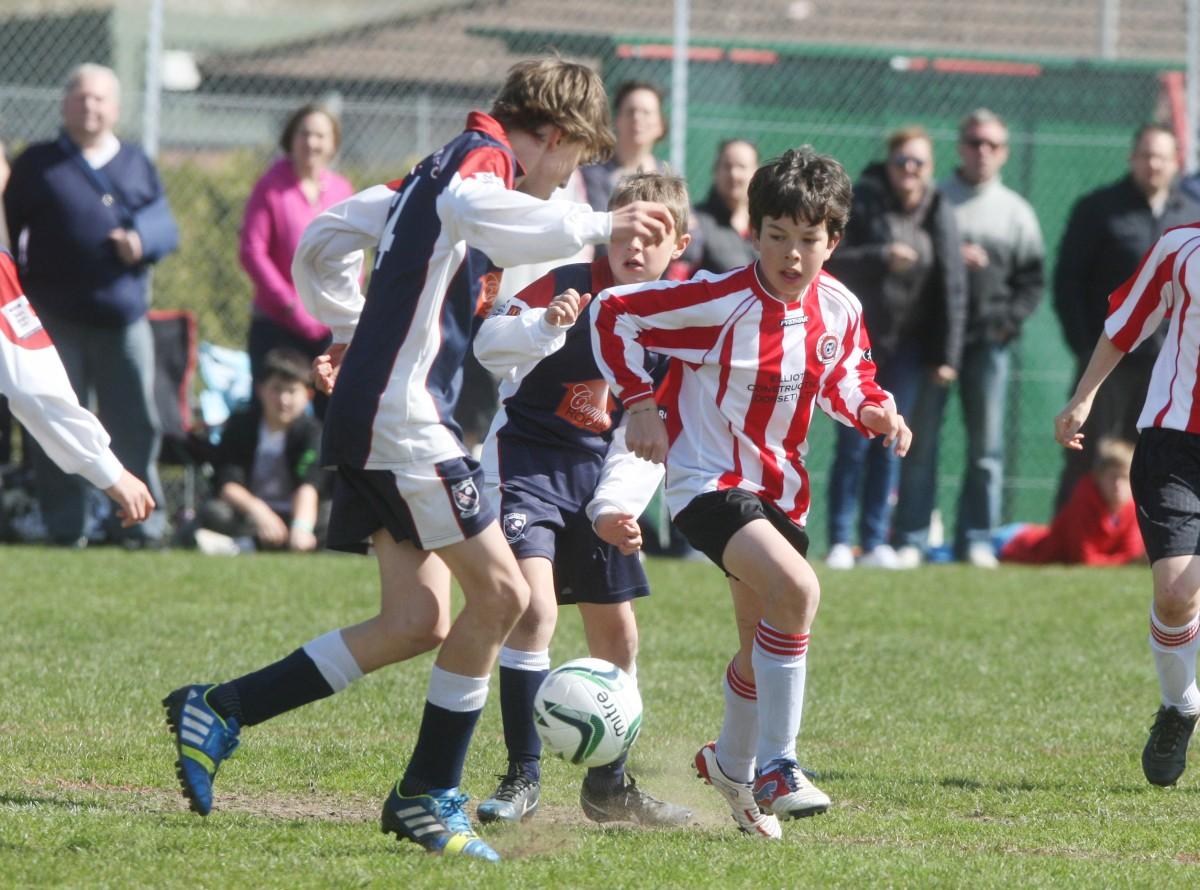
(746, 812)
(215, 544)
(784, 790)
(981, 555)
(908, 557)
(881, 556)
(840, 557)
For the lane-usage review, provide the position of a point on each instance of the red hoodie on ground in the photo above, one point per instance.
(1084, 531)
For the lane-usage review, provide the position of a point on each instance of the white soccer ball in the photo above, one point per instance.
(587, 711)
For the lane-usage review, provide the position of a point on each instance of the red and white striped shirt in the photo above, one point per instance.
(740, 397)
(1166, 283)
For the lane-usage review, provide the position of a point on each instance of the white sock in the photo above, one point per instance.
(519, 660)
(333, 659)
(454, 692)
(739, 729)
(779, 669)
(1174, 650)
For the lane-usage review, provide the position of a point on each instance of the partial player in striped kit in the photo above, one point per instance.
(1166, 473)
(756, 349)
(40, 395)
(405, 481)
(556, 459)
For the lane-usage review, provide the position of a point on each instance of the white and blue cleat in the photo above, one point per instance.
(435, 820)
(203, 739)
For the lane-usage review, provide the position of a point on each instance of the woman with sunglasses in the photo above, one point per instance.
(901, 256)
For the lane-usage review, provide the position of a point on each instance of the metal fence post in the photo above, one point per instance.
(1110, 28)
(1191, 148)
(679, 88)
(152, 80)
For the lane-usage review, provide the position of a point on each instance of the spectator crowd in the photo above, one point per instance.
(949, 268)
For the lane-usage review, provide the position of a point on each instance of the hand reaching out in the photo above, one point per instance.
(132, 497)
(887, 423)
(619, 529)
(565, 309)
(325, 368)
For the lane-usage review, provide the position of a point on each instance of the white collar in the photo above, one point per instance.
(99, 155)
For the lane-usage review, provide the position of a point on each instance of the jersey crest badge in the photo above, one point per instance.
(466, 498)
(827, 348)
(513, 526)
(489, 289)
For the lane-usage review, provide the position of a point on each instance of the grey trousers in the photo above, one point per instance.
(112, 372)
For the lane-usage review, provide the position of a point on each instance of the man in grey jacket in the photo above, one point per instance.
(1004, 257)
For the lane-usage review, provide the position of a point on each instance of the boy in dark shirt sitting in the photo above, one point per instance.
(268, 481)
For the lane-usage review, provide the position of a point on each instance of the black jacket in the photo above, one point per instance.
(936, 317)
(1108, 232)
(722, 248)
(234, 459)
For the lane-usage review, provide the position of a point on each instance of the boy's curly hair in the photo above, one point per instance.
(803, 185)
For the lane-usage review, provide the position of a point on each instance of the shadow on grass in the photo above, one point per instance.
(964, 783)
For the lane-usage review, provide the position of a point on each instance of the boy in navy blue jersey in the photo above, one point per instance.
(556, 452)
(405, 483)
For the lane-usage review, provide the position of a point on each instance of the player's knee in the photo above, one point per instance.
(509, 599)
(1175, 600)
(793, 593)
(408, 635)
(539, 617)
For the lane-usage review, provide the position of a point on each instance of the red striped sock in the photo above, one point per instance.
(740, 686)
(778, 645)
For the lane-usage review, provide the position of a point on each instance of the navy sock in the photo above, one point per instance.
(437, 761)
(607, 779)
(288, 683)
(517, 689)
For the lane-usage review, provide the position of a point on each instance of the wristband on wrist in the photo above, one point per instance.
(301, 525)
(650, 405)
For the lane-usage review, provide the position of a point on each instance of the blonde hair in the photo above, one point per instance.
(669, 190)
(565, 95)
(1113, 454)
(896, 138)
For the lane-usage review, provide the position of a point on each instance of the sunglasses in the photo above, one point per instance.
(903, 162)
(977, 143)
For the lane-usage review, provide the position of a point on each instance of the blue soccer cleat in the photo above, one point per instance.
(203, 738)
(436, 821)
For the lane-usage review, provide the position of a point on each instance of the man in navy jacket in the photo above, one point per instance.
(89, 216)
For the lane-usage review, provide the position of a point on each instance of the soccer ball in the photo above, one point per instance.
(587, 711)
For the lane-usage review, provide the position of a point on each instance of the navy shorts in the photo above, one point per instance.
(711, 519)
(431, 505)
(586, 569)
(1165, 479)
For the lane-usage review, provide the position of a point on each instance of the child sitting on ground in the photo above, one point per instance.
(268, 481)
(1098, 524)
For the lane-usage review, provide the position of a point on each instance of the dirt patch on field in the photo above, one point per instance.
(552, 830)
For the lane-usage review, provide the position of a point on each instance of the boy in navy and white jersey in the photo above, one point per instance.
(1165, 477)
(756, 348)
(405, 481)
(556, 453)
(33, 378)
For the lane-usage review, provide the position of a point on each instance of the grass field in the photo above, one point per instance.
(973, 729)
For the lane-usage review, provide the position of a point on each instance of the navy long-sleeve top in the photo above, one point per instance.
(68, 266)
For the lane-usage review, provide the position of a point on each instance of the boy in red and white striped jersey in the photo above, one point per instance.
(755, 348)
(1165, 477)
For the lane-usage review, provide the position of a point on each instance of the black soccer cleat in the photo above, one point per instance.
(630, 804)
(1165, 756)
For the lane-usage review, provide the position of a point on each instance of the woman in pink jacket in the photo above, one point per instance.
(285, 200)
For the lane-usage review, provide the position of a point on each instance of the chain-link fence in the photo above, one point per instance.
(1074, 79)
